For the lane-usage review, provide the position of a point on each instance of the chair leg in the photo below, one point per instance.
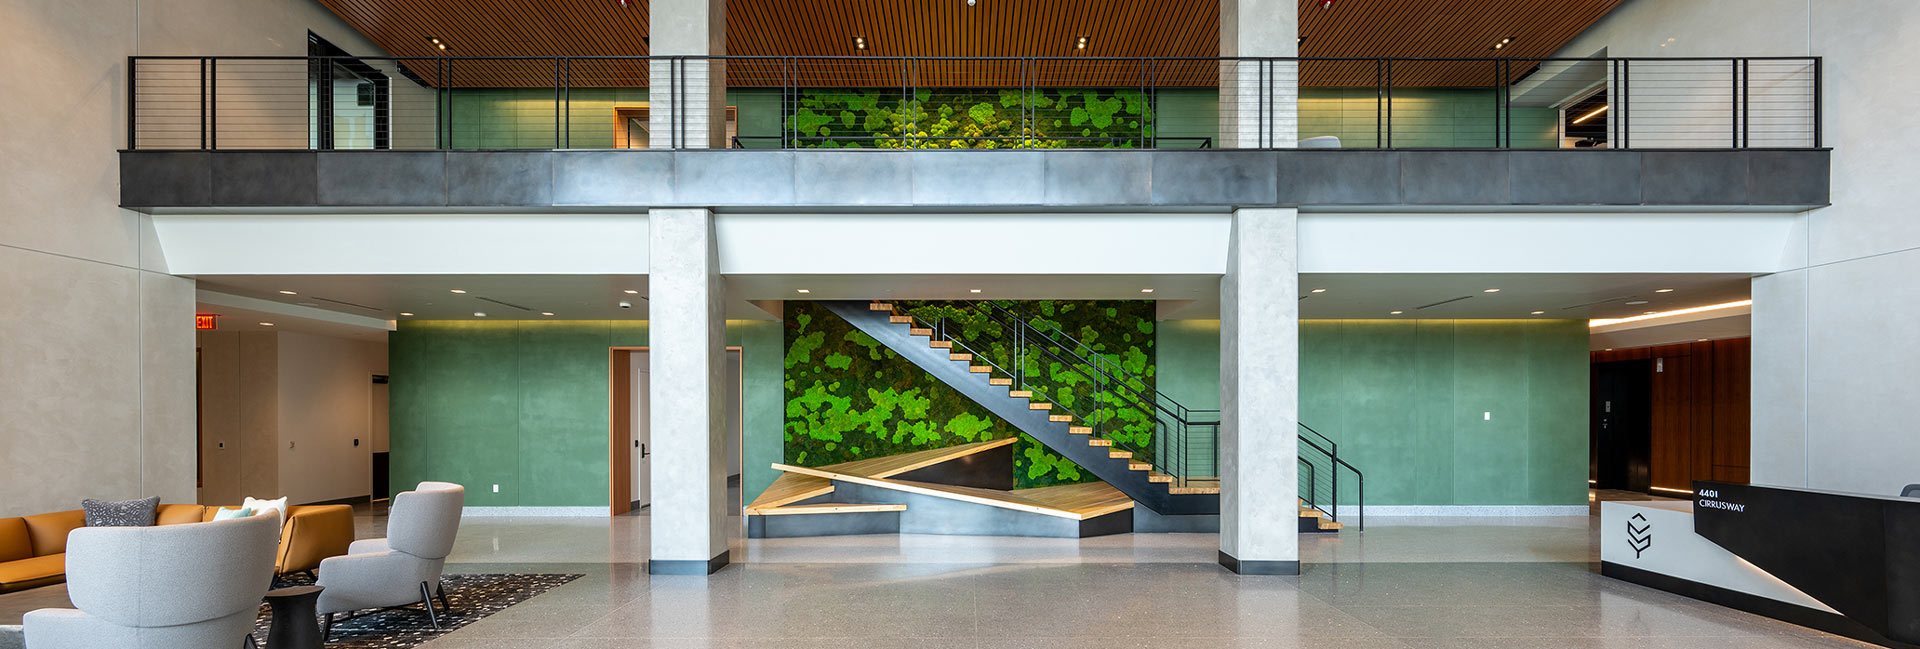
(326, 629)
(440, 590)
(426, 597)
(251, 643)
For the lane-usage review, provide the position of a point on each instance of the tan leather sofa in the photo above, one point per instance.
(33, 548)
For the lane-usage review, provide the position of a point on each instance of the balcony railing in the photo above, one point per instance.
(482, 103)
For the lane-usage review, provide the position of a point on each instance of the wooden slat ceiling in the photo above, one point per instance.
(1115, 28)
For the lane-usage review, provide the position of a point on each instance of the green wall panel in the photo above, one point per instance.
(523, 404)
(1407, 402)
(1189, 373)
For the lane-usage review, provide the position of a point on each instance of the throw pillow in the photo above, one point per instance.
(124, 513)
(279, 507)
(224, 513)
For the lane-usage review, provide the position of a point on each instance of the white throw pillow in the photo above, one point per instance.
(260, 507)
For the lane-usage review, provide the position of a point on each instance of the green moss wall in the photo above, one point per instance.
(849, 397)
(523, 404)
(1406, 401)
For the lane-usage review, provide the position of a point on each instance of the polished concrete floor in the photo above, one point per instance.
(1456, 582)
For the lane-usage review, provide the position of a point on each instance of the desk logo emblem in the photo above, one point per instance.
(1640, 536)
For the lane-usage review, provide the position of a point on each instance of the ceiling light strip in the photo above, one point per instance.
(1602, 322)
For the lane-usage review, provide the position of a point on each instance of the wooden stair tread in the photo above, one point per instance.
(900, 319)
(1090, 500)
(957, 356)
(880, 306)
(824, 508)
(791, 488)
(917, 331)
(942, 344)
(979, 369)
(1099, 442)
(1120, 455)
(1000, 381)
(1060, 418)
(1080, 430)
(893, 465)
(1020, 394)
(1040, 405)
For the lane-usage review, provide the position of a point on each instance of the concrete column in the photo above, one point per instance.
(1779, 379)
(687, 98)
(687, 331)
(1259, 394)
(1259, 100)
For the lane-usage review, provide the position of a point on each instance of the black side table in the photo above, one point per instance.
(294, 625)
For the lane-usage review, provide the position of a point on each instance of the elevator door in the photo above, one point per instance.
(1622, 425)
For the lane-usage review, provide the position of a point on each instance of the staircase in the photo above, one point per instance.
(986, 352)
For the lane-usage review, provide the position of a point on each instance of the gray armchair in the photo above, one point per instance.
(193, 586)
(404, 568)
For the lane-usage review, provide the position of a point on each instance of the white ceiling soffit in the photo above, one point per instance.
(432, 297)
(1554, 296)
(382, 244)
(1733, 323)
(973, 244)
(1579, 242)
(230, 319)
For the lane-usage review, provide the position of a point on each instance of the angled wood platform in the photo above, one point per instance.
(937, 491)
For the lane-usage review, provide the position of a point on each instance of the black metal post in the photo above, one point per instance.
(1818, 95)
(1733, 118)
(203, 104)
(1389, 104)
(566, 84)
(213, 104)
(557, 83)
(131, 104)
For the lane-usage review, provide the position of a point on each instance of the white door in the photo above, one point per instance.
(642, 448)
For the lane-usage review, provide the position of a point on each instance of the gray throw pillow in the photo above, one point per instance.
(125, 513)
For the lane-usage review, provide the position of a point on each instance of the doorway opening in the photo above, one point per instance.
(629, 441)
(1621, 446)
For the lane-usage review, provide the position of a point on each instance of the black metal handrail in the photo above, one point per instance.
(259, 102)
(1174, 422)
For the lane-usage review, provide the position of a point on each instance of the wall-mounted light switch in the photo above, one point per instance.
(496, 488)
(1486, 416)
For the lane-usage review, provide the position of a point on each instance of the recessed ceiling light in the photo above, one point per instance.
(266, 324)
(479, 314)
(1503, 43)
(859, 42)
(1398, 312)
(1080, 44)
(1648, 312)
(1539, 312)
(1701, 340)
(546, 313)
(442, 45)
(408, 313)
(1146, 290)
(1491, 290)
(1319, 290)
(802, 290)
(1663, 290)
(456, 290)
(288, 293)
(973, 290)
(631, 292)
(1636, 302)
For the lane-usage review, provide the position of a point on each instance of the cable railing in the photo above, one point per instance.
(872, 102)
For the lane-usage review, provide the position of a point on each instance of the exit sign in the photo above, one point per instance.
(205, 321)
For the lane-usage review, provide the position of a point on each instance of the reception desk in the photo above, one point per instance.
(1847, 564)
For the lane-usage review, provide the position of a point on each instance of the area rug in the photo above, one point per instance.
(473, 597)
